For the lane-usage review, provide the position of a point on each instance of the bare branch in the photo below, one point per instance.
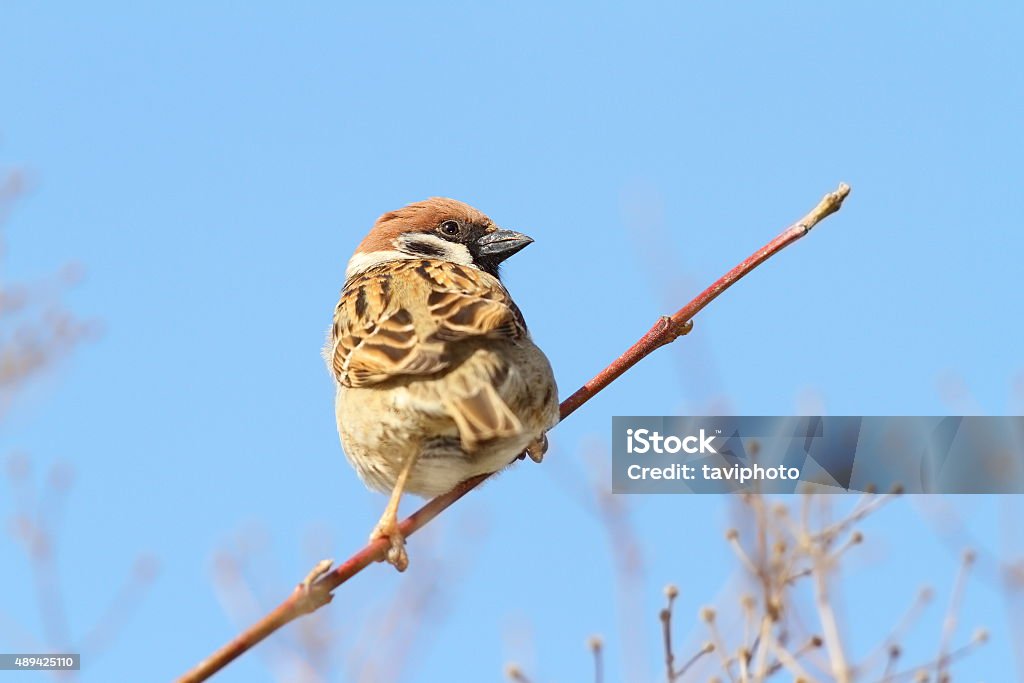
(310, 596)
(949, 623)
(671, 592)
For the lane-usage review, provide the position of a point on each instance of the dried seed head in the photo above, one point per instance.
(671, 591)
(707, 614)
(857, 537)
(732, 534)
(980, 635)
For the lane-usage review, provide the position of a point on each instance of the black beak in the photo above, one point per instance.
(499, 245)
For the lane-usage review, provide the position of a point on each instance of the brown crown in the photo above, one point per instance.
(419, 217)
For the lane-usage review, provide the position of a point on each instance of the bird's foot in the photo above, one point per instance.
(396, 556)
(538, 448)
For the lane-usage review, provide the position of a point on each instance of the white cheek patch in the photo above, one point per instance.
(422, 245)
(408, 247)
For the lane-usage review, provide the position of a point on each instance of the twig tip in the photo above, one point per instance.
(828, 205)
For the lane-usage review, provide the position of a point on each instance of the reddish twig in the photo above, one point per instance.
(317, 591)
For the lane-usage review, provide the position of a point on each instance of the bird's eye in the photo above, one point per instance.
(450, 228)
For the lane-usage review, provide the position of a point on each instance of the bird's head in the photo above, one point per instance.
(437, 228)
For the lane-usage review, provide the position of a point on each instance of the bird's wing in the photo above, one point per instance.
(409, 318)
(478, 410)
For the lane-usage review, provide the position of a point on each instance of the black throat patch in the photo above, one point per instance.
(423, 248)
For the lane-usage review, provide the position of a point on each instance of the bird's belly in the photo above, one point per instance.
(380, 428)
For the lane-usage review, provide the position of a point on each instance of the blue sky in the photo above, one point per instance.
(212, 166)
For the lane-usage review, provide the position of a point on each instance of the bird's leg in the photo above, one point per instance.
(538, 448)
(387, 527)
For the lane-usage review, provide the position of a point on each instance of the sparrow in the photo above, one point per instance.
(437, 377)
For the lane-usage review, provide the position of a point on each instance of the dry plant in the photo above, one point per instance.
(784, 555)
(36, 332)
(35, 524)
(625, 547)
(318, 588)
(1001, 567)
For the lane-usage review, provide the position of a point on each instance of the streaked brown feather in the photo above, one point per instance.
(408, 318)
